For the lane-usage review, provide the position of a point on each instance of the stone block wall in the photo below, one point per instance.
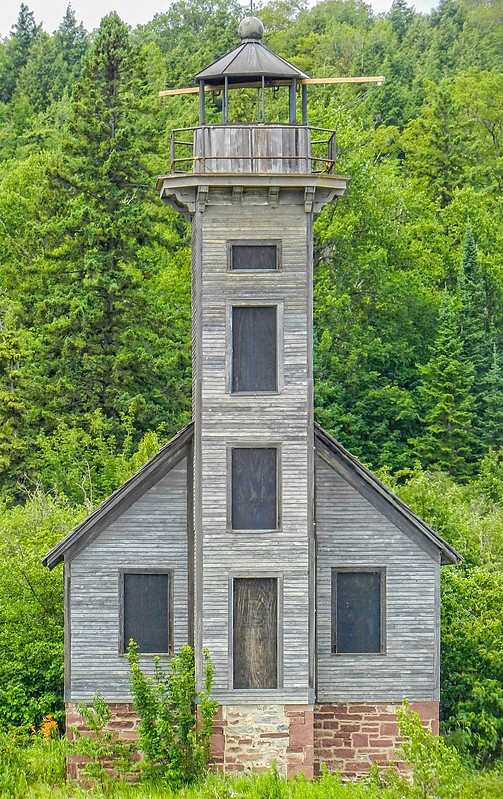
(350, 737)
(252, 737)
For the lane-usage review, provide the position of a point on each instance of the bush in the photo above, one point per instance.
(472, 662)
(109, 756)
(176, 721)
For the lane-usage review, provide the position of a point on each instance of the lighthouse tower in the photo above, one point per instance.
(251, 195)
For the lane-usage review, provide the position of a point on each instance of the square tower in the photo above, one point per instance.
(251, 195)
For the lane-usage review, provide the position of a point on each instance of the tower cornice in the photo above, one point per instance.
(190, 192)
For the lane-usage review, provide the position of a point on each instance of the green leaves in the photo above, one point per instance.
(176, 720)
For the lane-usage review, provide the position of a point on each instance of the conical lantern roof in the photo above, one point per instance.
(250, 61)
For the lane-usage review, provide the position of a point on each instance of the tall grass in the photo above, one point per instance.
(36, 770)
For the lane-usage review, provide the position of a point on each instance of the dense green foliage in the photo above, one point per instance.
(95, 294)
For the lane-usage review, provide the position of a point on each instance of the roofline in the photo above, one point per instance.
(238, 49)
(173, 452)
(122, 498)
(382, 494)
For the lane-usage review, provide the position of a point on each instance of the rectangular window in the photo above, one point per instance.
(254, 488)
(254, 348)
(358, 611)
(255, 632)
(249, 256)
(146, 610)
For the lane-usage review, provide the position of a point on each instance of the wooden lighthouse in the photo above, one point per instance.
(253, 533)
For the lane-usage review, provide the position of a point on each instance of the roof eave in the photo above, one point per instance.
(448, 554)
(121, 499)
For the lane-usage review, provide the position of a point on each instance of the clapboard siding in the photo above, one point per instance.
(223, 420)
(151, 533)
(352, 533)
(246, 145)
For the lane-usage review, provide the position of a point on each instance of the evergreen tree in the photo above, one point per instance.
(71, 45)
(445, 396)
(474, 328)
(12, 405)
(22, 36)
(101, 340)
(474, 314)
(401, 16)
(493, 420)
(435, 144)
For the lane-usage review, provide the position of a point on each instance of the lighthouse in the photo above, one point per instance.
(253, 533)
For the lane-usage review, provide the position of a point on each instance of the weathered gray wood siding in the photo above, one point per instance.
(223, 420)
(350, 532)
(252, 148)
(151, 533)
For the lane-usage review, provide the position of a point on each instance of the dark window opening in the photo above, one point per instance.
(254, 348)
(254, 488)
(147, 612)
(357, 611)
(255, 632)
(254, 256)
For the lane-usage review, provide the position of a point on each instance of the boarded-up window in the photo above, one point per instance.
(146, 612)
(255, 628)
(253, 256)
(357, 610)
(254, 488)
(254, 348)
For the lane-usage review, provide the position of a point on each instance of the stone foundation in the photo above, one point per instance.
(349, 737)
(253, 737)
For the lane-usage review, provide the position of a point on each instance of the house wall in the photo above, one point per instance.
(223, 420)
(351, 532)
(151, 533)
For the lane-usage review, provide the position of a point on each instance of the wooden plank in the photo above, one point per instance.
(328, 81)
(254, 488)
(257, 84)
(255, 627)
(254, 348)
(150, 536)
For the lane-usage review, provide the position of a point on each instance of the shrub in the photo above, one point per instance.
(176, 721)
(109, 756)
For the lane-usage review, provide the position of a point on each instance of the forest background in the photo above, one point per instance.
(95, 353)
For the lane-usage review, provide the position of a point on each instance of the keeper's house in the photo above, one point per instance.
(253, 532)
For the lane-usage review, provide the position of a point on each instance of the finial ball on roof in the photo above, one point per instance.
(251, 28)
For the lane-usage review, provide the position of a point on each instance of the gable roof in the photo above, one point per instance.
(354, 472)
(122, 499)
(384, 500)
(250, 60)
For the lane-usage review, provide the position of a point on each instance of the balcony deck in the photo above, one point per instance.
(253, 149)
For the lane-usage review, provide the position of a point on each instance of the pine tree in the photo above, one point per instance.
(12, 405)
(401, 16)
(22, 36)
(98, 321)
(474, 313)
(445, 395)
(474, 325)
(493, 422)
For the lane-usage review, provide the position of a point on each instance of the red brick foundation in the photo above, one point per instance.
(349, 737)
(123, 722)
